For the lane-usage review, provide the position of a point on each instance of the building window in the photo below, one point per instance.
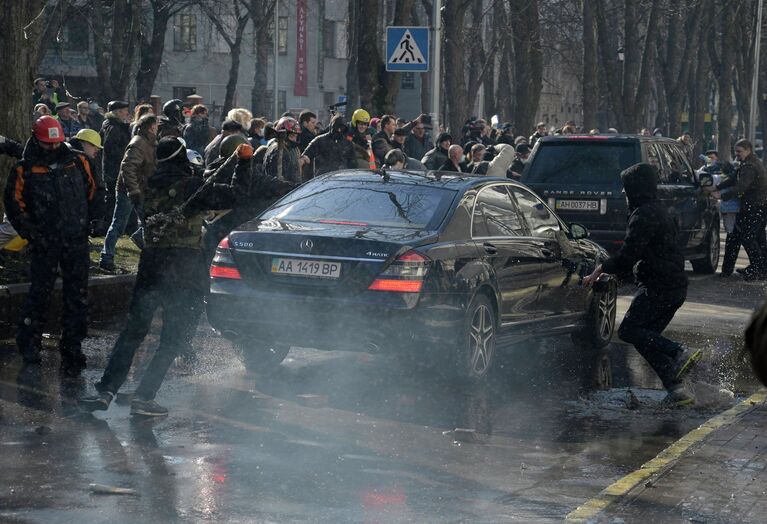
(282, 43)
(182, 92)
(408, 81)
(329, 38)
(185, 33)
(282, 102)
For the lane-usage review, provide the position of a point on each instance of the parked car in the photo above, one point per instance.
(579, 177)
(445, 267)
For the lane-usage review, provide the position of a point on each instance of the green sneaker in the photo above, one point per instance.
(679, 395)
(687, 360)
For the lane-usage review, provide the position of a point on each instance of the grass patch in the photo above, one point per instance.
(14, 267)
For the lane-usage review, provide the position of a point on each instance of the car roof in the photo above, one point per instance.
(609, 137)
(442, 179)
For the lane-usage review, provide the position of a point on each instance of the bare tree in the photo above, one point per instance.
(528, 61)
(590, 90)
(24, 27)
(116, 33)
(721, 51)
(230, 20)
(628, 81)
(262, 15)
(153, 32)
(453, 21)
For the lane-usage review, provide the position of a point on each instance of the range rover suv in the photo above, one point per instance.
(579, 177)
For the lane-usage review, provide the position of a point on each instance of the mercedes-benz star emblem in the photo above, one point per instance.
(307, 245)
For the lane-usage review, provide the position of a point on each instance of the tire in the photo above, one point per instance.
(261, 357)
(475, 352)
(600, 319)
(710, 262)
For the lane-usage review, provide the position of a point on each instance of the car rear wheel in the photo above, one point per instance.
(259, 356)
(710, 262)
(476, 348)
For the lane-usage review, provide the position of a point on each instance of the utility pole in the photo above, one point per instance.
(436, 75)
(276, 58)
(755, 80)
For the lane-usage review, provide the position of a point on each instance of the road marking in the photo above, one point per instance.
(662, 461)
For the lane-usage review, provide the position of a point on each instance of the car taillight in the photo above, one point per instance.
(404, 275)
(223, 265)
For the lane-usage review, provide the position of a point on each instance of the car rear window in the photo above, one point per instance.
(361, 203)
(585, 162)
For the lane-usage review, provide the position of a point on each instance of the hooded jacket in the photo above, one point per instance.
(331, 151)
(434, 158)
(115, 136)
(47, 194)
(290, 169)
(650, 250)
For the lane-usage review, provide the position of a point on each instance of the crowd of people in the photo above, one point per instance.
(186, 184)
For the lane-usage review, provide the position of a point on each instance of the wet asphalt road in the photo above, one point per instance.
(348, 437)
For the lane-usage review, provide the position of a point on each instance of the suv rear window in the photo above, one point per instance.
(364, 203)
(584, 162)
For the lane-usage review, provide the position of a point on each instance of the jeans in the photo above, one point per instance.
(46, 255)
(649, 314)
(749, 231)
(123, 209)
(171, 279)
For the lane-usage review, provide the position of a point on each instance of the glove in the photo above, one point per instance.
(491, 150)
(727, 168)
(244, 151)
(135, 199)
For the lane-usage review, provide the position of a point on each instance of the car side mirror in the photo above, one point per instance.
(578, 232)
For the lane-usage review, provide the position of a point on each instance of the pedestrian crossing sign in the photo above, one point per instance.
(407, 49)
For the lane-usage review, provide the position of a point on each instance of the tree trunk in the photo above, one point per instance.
(528, 62)
(261, 13)
(722, 54)
(453, 14)
(152, 49)
(234, 69)
(590, 93)
(352, 68)
(369, 59)
(503, 91)
(115, 34)
(19, 61)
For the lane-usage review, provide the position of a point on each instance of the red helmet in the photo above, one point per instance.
(288, 124)
(47, 129)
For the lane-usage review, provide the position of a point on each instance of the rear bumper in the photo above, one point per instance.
(330, 323)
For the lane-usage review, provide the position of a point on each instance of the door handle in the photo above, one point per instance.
(547, 253)
(490, 249)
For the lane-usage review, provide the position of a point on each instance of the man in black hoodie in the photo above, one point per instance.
(434, 158)
(650, 251)
(330, 151)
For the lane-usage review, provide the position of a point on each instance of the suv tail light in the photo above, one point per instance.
(404, 275)
(223, 265)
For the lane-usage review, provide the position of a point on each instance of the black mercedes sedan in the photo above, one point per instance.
(428, 265)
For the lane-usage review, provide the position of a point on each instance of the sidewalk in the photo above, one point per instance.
(715, 473)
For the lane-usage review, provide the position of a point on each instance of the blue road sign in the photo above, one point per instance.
(407, 49)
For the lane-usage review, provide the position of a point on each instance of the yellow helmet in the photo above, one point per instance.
(360, 116)
(90, 136)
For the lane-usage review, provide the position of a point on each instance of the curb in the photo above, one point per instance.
(108, 296)
(663, 461)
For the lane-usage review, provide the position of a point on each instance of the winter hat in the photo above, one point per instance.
(170, 149)
(522, 149)
(231, 126)
(442, 137)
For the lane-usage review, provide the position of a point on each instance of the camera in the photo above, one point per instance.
(426, 120)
